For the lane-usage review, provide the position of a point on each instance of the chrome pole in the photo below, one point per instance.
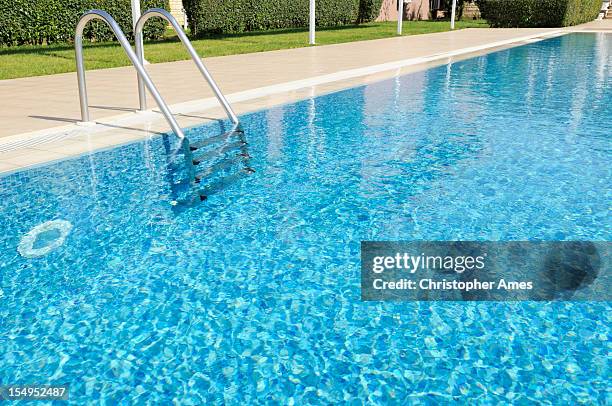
(142, 95)
(400, 16)
(311, 22)
(453, 11)
(158, 12)
(78, 49)
(104, 16)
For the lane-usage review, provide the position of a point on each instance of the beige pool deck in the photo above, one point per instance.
(39, 114)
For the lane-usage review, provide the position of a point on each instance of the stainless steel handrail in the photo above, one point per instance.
(143, 76)
(159, 12)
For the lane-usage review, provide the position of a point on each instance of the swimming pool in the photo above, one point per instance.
(253, 294)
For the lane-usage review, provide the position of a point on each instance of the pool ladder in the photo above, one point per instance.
(216, 163)
(137, 59)
(194, 153)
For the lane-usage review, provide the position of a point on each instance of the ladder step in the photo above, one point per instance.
(219, 166)
(222, 183)
(218, 152)
(212, 140)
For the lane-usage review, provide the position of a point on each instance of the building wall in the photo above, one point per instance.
(417, 10)
(176, 9)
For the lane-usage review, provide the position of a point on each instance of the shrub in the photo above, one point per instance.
(538, 13)
(51, 21)
(236, 16)
(369, 10)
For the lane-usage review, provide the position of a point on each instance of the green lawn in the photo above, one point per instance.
(16, 62)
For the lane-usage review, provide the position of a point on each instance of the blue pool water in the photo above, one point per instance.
(253, 295)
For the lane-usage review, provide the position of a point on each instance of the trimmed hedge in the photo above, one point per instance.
(236, 16)
(51, 21)
(369, 10)
(538, 13)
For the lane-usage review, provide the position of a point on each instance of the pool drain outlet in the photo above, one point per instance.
(44, 238)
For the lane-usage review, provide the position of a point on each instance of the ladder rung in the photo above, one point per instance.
(222, 183)
(215, 153)
(211, 170)
(211, 140)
